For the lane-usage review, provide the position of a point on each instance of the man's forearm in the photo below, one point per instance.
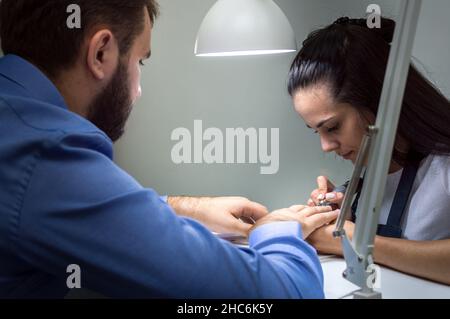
(427, 259)
(185, 205)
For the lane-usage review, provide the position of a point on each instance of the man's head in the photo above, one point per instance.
(96, 67)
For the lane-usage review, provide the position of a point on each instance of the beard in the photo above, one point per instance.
(111, 108)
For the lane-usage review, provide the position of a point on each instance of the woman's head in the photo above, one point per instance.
(336, 82)
(339, 125)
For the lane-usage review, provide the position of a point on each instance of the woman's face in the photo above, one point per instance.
(339, 125)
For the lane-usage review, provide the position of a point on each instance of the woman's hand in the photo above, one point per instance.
(310, 218)
(324, 241)
(324, 191)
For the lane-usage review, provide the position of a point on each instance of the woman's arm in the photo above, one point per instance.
(426, 259)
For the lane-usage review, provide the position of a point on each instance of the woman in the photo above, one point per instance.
(336, 82)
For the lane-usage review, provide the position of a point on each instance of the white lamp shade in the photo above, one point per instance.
(244, 27)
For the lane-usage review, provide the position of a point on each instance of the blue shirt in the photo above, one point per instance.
(63, 201)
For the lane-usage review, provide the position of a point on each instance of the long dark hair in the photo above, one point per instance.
(351, 59)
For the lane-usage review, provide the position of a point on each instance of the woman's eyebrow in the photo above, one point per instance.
(321, 123)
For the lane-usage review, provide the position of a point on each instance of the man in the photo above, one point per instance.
(65, 95)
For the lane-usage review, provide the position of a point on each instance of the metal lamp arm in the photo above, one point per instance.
(358, 253)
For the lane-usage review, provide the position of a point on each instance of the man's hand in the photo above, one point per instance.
(323, 240)
(310, 218)
(324, 191)
(220, 214)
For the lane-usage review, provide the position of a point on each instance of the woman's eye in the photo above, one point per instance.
(141, 63)
(332, 129)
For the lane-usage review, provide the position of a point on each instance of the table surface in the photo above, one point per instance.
(393, 284)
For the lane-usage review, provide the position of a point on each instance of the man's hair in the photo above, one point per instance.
(37, 30)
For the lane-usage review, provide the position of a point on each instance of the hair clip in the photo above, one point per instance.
(342, 21)
(348, 21)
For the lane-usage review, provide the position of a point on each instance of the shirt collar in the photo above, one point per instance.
(29, 77)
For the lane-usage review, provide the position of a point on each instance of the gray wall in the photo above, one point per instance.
(244, 92)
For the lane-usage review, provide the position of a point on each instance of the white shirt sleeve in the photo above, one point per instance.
(446, 175)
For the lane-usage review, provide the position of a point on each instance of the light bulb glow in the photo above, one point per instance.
(244, 53)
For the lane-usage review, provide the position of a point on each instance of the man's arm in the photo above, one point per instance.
(80, 208)
(220, 214)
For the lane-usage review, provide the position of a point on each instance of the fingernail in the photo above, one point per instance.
(330, 196)
(320, 197)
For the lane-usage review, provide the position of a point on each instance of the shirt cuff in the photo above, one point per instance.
(274, 230)
(164, 198)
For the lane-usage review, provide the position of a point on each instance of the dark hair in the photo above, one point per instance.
(37, 30)
(351, 59)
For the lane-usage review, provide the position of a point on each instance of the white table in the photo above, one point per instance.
(394, 285)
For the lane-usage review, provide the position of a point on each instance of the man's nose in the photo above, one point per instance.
(139, 92)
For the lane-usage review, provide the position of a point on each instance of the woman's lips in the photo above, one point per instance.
(348, 155)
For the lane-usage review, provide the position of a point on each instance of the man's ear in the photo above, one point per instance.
(103, 54)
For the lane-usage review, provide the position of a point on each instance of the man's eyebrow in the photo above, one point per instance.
(321, 123)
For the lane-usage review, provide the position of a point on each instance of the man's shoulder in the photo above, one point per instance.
(29, 124)
(44, 119)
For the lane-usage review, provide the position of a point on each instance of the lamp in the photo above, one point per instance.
(244, 27)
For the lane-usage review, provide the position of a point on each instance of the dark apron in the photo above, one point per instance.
(393, 225)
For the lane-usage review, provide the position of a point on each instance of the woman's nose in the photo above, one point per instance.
(328, 145)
